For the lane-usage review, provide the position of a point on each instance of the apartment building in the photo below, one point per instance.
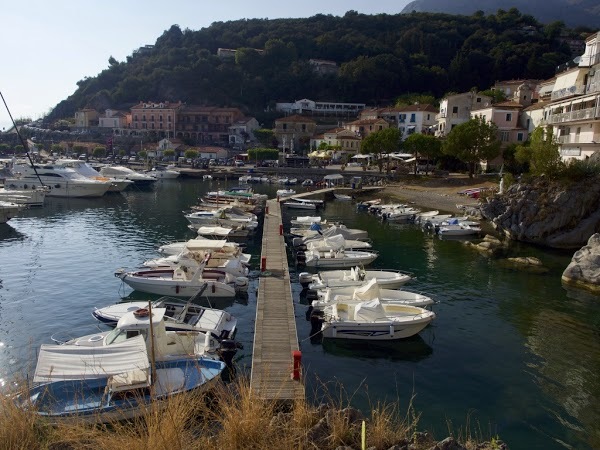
(206, 124)
(456, 109)
(160, 118)
(294, 132)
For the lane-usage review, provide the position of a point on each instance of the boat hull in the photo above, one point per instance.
(384, 331)
(166, 286)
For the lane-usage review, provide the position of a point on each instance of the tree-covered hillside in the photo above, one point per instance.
(380, 57)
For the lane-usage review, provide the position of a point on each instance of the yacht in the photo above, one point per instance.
(83, 168)
(125, 173)
(61, 181)
(167, 173)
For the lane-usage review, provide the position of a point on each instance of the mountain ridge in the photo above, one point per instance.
(571, 12)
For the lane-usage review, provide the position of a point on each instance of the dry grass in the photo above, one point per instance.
(228, 418)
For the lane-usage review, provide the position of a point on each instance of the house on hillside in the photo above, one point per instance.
(574, 109)
(409, 119)
(346, 142)
(206, 124)
(363, 127)
(241, 132)
(324, 67)
(159, 118)
(294, 132)
(115, 119)
(456, 109)
(86, 118)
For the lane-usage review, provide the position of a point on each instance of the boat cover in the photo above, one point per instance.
(217, 231)
(206, 244)
(369, 311)
(307, 219)
(334, 243)
(368, 292)
(73, 362)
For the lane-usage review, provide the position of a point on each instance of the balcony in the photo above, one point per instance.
(568, 92)
(440, 116)
(593, 87)
(573, 116)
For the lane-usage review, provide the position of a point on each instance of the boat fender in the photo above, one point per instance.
(304, 278)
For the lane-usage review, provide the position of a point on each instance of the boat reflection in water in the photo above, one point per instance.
(410, 349)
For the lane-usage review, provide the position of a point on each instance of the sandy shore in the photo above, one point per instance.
(441, 194)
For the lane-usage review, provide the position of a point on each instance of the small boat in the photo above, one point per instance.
(368, 203)
(179, 315)
(312, 201)
(303, 235)
(231, 249)
(460, 229)
(388, 279)
(183, 281)
(308, 182)
(300, 205)
(125, 173)
(343, 197)
(165, 173)
(336, 258)
(373, 320)
(285, 192)
(218, 232)
(308, 221)
(327, 243)
(107, 376)
(207, 177)
(367, 292)
(400, 214)
(35, 196)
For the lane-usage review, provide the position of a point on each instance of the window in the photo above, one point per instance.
(508, 117)
(303, 127)
(428, 116)
(413, 117)
(284, 126)
(478, 100)
(135, 118)
(504, 135)
(152, 118)
(520, 137)
(160, 118)
(455, 110)
(168, 118)
(402, 118)
(144, 118)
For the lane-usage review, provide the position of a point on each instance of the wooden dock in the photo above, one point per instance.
(324, 191)
(275, 336)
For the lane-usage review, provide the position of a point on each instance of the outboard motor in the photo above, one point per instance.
(300, 248)
(428, 226)
(241, 284)
(301, 258)
(227, 351)
(309, 311)
(312, 294)
(316, 321)
(305, 278)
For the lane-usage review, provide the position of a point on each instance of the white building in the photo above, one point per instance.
(574, 109)
(456, 109)
(306, 106)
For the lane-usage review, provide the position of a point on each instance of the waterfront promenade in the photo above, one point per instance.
(275, 337)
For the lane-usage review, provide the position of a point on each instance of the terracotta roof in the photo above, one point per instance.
(319, 136)
(534, 106)
(335, 130)
(507, 104)
(425, 107)
(367, 122)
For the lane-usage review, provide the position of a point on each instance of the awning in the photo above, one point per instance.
(566, 80)
(75, 362)
(362, 156)
(333, 177)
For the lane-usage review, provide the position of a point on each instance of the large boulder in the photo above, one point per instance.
(584, 269)
(547, 213)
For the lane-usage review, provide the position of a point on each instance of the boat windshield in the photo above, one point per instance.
(118, 335)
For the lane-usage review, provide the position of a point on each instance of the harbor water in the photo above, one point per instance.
(511, 354)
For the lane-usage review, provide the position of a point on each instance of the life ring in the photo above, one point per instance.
(142, 312)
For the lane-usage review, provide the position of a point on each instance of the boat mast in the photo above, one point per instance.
(152, 350)
(23, 142)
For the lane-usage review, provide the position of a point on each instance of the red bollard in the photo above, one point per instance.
(263, 264)
(280, 229)
(297, 357)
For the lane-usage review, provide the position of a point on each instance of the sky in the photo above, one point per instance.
(47, 46)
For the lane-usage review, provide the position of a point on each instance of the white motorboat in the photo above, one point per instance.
(164, 173)
(343, 197)
(61, 181)
(336, 258)
(300, 205)
(373, 320)
(192, 259)
(168, 344)
(303, 235)
(183, 281)
(180, 315)
(8, 210)
(400, 214)
(308, 221)
(26, 197)
(223, 216)
(388, 279)
(218, 245)
(425, 215)
(333, 242)
(312, 201)
(125, 173)
(460, 229)
(308, 182)
(367, 292)
(218, 232)
(83, 168)
(285, 192)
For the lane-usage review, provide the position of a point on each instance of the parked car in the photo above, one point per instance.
(239, 163)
